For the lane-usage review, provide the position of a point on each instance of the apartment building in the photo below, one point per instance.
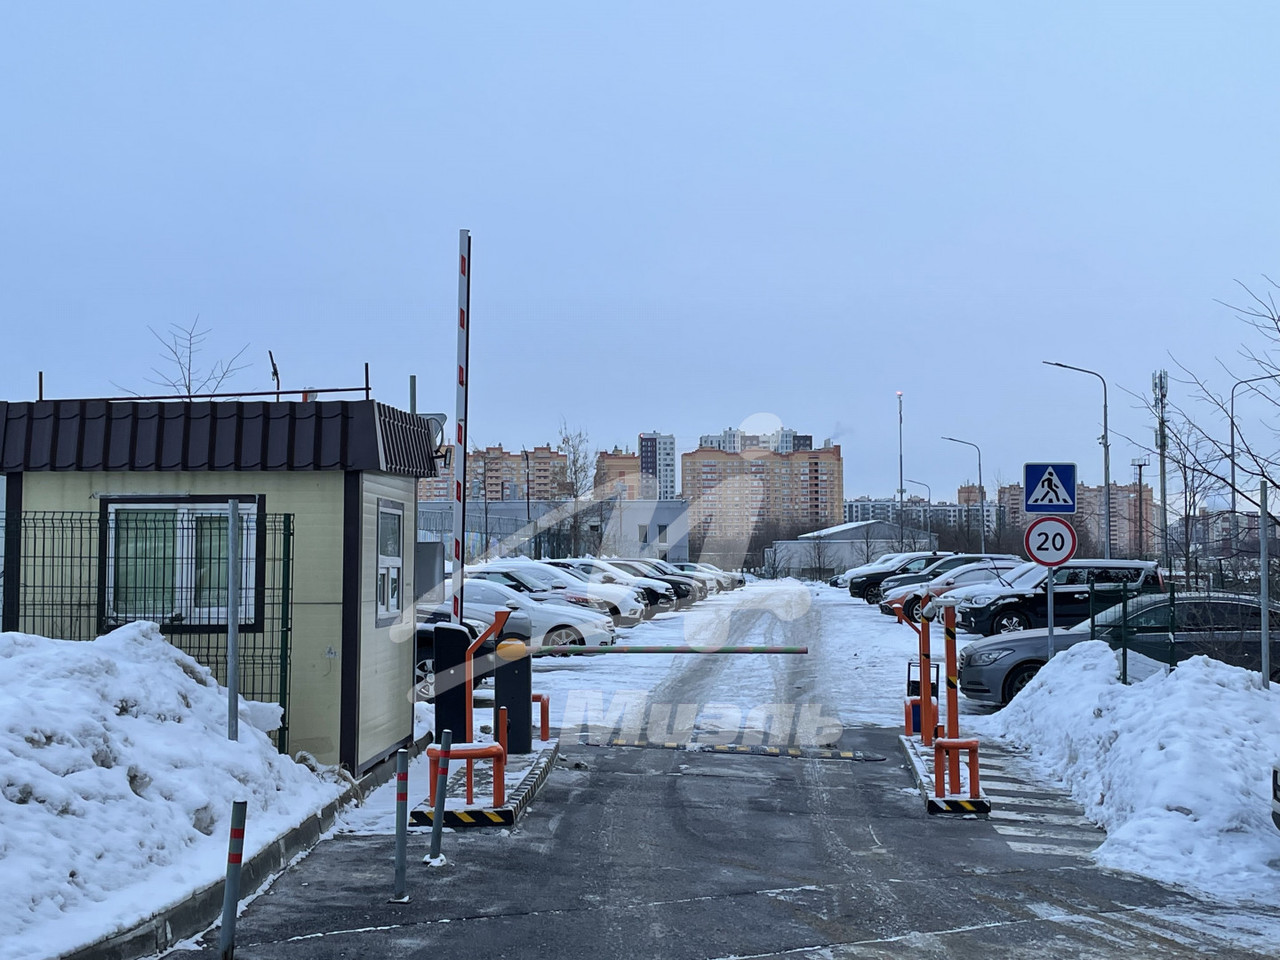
(657, 466)
(733, 494)
(497, 474)
(618, 476)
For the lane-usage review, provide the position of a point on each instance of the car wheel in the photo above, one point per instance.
(1010, 621)
(871, 593)
(1018, 678)
(911, 609)
(424, 675)
(561, 636)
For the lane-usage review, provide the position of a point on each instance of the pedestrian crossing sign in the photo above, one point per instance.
(1049, 488)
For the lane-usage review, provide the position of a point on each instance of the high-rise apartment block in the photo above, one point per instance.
(657, 466)
(497, 474)
(733, 493)
(1134, 516)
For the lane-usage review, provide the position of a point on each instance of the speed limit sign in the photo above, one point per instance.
(1050, 541)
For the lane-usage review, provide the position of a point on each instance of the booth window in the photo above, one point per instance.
(390, 585)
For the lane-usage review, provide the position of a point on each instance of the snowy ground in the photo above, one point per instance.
(118, 778)
(117, 785)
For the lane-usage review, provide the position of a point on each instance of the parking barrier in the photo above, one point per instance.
(495, 629)
(927, 702)
(577, 651)
(501, 732)
(951, 748)
(544, 703)
(471, 752)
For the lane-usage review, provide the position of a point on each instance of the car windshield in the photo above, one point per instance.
(1032, 576)
(1008, 577)
(540, 575)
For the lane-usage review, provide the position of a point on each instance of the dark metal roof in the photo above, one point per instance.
(200, 435)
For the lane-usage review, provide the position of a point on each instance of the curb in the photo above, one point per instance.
(508, 813)
(921, 769)
(198, 912)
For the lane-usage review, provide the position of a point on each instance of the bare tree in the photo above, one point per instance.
(579, 476)
(181, 371)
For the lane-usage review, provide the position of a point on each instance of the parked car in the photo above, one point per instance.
(1225, 627)
(551, 624)
(723, 581)
(866, 584)
(687, 590)
(624, 604)
(712, 584)
(1079, 587)
(911, 591)
(736, 578)
(517, 627)
(892, 584)
(522, 582)
(701, 584)
(661, 596)
(885, 560)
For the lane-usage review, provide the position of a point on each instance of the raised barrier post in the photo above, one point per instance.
(952, 749)
(402, 822)
(231, 891)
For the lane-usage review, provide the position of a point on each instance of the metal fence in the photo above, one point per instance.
(76, 576)
(1174, 626)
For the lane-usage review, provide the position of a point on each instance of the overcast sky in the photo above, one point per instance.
(682, 214)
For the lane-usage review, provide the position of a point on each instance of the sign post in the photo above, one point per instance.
(1049, 489)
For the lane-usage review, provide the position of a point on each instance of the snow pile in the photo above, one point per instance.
(1176, 768)
(116, 784)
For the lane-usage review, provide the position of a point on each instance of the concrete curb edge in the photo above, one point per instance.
(192, 916)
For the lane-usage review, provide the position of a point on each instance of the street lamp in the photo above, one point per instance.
(1106, 455)
(982, 498)
(928, 516)
(902, 532)
(1235, 520)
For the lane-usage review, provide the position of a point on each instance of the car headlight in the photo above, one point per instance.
(641, 597)
(978, 601)
(986, 657)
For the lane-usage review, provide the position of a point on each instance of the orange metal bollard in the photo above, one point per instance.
(471, 752)
(953, 691)
(952, 748)
(544, 702)
(926, 686)
(502, 728)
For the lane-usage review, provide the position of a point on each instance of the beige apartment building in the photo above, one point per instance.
(618, 476)
(731, 495)
(497, 474)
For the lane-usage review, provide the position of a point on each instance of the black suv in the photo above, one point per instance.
(867, 584)
(1079, 587)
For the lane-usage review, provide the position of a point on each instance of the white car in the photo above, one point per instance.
(661, 595)
(552, 624)
(624, 604)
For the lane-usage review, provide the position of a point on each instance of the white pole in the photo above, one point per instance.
(233, 619)
(460, 438)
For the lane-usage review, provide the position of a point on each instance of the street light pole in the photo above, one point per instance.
(901, 488)
(982, 498)
(1235, 520)
(1106, 455)
(928, 516)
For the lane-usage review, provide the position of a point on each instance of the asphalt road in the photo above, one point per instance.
(674, 854)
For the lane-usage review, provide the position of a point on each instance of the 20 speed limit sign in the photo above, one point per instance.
(1050, 541)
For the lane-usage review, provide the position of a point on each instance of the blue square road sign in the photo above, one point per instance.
(1049, 488)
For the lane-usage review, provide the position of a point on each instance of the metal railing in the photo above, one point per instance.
(78, 575)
